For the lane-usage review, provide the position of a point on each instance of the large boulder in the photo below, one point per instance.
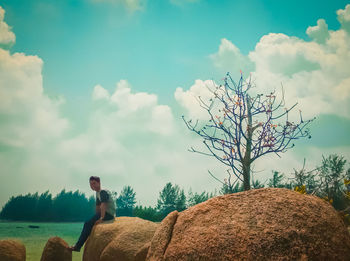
(12, 250)
(123, 239)
(263, 224)
(56, 249)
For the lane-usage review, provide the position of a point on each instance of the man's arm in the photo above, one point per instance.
(103, 208)
(98, 206)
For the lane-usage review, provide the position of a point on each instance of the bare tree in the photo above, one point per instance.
(241, 128)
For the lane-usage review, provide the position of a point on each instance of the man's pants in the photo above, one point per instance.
(88, 225)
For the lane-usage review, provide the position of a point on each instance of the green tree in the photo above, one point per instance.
(305, 178)
(71, 206)
(256, 184)
(21, 208)
(126, 201)
(181, 201)
(66, 206)
(196, 198)
(332, 172)
(171, 198)
(147, 213)
(91, 205)
(44, 207)
(276, 180)
(231, 188)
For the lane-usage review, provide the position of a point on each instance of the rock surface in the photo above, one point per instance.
(127, 238)
(262, 224)
(56, 249)
(12, 250)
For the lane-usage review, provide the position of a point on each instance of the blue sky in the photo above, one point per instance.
(82, 51)
(158, 48)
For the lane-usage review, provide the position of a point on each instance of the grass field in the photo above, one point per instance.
(35, 239)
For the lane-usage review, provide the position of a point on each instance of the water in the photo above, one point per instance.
(35, 239)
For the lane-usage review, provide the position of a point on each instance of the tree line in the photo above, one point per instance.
(330, 181)
(68, 206)
(65, 206)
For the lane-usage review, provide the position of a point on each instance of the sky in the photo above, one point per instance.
(98, 87)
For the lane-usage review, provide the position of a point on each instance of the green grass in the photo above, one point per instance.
(35, 239)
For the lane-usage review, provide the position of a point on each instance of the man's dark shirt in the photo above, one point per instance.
(104, 196)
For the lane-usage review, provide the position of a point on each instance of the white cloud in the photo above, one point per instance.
(318, 33)
(344, 17)
(342, 90)
(190, 99)
(133, 140)
(310, 72)
(31, 123)
(7, 38)
(283, 55)
(126, 101)
(130, 139)
(162, 121)
(17, 71)
(314, 73)
(26, 110)
(230, 59)
(100, 93)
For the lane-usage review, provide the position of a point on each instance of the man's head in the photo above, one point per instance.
(95, 183)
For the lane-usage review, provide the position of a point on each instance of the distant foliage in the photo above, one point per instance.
(171, 198)
(126, 202)
(196, 198)
(329, 181)
(44, 207)
(276, 180)
(256, 184)
(332, 185)
(228, 188)
(71, 206)
(308, 179)
(66, 206)
(23, 207)
(147, 213)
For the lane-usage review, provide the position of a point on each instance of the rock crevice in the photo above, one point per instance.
(171, 227)
(162, 237)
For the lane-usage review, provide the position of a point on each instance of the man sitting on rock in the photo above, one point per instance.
(105, 210)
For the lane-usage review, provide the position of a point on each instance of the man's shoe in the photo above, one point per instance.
(74, 248)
